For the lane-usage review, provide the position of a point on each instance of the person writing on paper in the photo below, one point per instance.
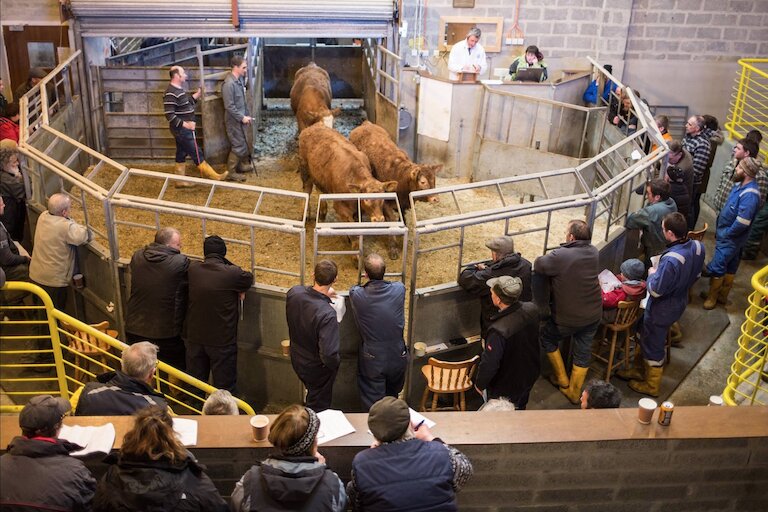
(407, 467)
(509, 365)
(295, 478)
(37, 471)
(629, 285)
(467, 56)
(153, 471)
(532, 58)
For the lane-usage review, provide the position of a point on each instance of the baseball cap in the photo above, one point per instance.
(507, 288)
(43, 412)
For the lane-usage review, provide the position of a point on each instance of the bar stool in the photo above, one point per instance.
(626, 317)
(444, 378)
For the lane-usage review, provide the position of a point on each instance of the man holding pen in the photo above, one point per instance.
(467, 56)
(407, 467)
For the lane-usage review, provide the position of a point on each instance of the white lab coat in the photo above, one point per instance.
(461, 56)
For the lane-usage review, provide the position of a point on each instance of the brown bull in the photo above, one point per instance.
(332, 164)
(388, 162)
(311, 97)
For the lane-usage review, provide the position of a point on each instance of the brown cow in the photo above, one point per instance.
(388, 162)
(330, 162)
(311, 97)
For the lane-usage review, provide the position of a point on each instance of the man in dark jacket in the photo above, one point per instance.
(314, 333)
(407, 468)
(216, 287)
(15, 265)
(38, 472)
(571, 271)
(648, 219)
(379, 308)
(504, 262)
(121, 393)
(510, 363)
(158, 301)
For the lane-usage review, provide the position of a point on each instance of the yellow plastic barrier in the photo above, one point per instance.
(749, 101)
(39, 337)
(748, 382)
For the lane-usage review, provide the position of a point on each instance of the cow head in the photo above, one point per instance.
(374, 208)
(423, 178)
(325, 116)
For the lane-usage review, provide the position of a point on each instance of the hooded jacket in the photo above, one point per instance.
(47, 477)
(289, 483)
(156, 486)
(158, 300)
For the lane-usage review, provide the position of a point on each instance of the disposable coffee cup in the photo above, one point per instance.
(286, 346)
(260, 427)
(715, 401)
(419, 348)
(645, 410)
(77, 280)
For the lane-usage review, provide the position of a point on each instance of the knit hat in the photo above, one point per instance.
(750, 166)
(43, 412)
(633, 269)
(388, 419)
(214, 244)
(303, 445)
(507, 288)
(501, 244)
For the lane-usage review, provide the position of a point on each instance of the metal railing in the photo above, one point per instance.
(747, 383)
(749, 101)
(76, 351)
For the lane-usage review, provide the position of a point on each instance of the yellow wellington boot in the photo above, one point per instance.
(715, 283)
(650, 386)
(573, 391)
(179, 169)
(558, 378)
(636, 371)
(207, 172)
(722, 297)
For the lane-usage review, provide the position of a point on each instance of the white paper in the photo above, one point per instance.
(608, 281)
(339, 304)
(416, 418)
(435, 348)
(98, 439)
(333, 424)
(491, 82)
(186, 430)
(435, 99)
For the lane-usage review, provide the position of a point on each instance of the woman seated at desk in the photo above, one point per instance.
(533, 58)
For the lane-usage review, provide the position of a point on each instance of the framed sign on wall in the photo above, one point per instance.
(463, 3)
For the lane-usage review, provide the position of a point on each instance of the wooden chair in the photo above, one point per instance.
(626, 317)
(82, 344)
(447, 378)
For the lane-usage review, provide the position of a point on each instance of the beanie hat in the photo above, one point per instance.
(750, 166)
(633, 269)
(214, 244)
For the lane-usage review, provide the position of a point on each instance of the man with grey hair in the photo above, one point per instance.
(510, 363)
(379, 308)
(467, 56)
(56, 239)
(157, 303)
(504, 262)
(696, 142)
(407, 468)
(123, 392)
(220, 403)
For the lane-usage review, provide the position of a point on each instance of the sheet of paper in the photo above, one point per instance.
(98, 439)
(417, 417)
(333, 424)
(186, 430)
(608, 281)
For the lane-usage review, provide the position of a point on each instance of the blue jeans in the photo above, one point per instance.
(581, 340)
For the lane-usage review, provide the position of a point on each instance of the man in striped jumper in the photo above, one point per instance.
(697, 144)
(179, 107)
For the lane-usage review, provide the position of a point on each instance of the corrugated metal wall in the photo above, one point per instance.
(262, 18)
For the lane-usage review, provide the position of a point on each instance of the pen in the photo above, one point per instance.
(420, 424)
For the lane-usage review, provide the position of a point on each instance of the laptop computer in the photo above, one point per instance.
(529, 75)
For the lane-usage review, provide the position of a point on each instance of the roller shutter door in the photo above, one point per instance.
(258, 18)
